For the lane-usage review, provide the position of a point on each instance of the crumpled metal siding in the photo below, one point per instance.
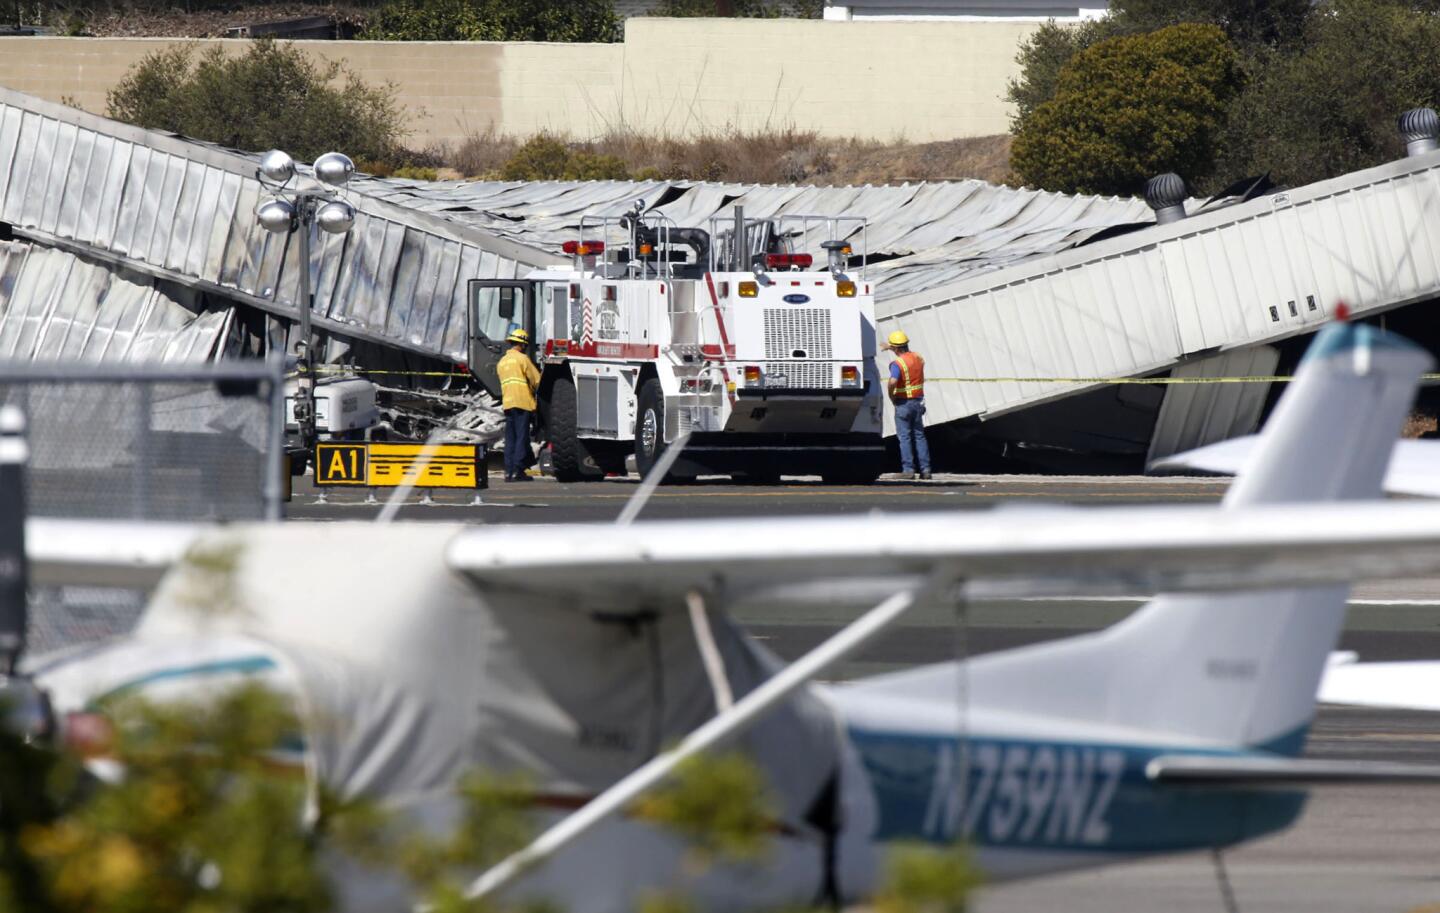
(1256, 272)
(1193, 415)
(164, 204)
(57, 306)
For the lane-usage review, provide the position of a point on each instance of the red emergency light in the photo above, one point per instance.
(788, 261)
(583, 248)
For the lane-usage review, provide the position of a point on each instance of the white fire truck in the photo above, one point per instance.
(730, 335)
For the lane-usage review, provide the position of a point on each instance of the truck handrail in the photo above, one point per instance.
(835, 229)
(628, 224)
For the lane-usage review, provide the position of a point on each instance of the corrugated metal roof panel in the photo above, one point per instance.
(59, 306)
(935, 233)
(187, 209)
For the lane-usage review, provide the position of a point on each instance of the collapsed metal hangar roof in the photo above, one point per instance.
(922, 235)
(123, 215)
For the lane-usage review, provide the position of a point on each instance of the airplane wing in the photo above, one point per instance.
(103, 552)
(1044, 551)
(1034, 552)
(1244, 771)
(1414, 464)
(1410, 685)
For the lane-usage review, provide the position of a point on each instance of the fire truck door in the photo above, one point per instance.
(495, 307)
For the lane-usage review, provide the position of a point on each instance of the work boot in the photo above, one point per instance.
(925, 476)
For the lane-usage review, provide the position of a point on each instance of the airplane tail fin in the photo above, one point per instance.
(1236, 668)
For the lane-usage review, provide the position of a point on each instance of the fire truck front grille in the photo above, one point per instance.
(808, 375)
(789, 331)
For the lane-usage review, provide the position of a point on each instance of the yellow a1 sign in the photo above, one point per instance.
(341, 464)
(392, 465)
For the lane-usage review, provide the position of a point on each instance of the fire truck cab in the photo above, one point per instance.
(728, 337)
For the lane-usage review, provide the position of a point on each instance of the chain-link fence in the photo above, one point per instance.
(124, 442)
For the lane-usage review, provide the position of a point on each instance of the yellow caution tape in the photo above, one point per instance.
(337, 369)
(1261, 379)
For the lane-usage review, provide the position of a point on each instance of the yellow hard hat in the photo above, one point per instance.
(518, 335)
(898, 338)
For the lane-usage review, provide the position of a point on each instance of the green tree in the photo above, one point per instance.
(1251, 25)
(429, 20)
(199, 821)
(1042, 56)
(1329, 105)
(272, 96)
(1246, 22)
(719, 804)
(921, 878)
(740, 9)
(494, 20)
(1128, 108)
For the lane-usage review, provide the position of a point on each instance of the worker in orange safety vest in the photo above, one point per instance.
(907, 392)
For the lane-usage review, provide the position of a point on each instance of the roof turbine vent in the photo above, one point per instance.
(1165, 193)
(1420, 129)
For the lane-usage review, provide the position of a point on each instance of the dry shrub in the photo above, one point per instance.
(481, 154)
(986, 158)
(271, 96)
(772, 156)
(784, 155)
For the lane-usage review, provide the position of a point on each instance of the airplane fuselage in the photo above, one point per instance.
(1029, 805)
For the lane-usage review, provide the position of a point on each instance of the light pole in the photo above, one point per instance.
(296, 210)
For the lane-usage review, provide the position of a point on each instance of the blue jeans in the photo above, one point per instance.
(910, 429)
(517, 441)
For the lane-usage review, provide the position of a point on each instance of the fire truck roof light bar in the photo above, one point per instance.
(583, 248)
(788, 261)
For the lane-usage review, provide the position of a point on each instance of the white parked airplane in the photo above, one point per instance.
(576, 652)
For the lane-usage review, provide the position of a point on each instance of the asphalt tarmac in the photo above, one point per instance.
(547, 501)
(1356, 849)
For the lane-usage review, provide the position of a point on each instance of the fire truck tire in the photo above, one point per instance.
(650, 430)
(569, 457)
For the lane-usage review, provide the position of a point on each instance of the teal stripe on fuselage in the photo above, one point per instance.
(245, 664)
(292, 742)
(1056, 795)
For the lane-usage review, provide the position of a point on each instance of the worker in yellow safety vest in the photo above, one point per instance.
(518, 381)
(907, 392)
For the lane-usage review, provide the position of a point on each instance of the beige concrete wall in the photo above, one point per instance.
(916, 80)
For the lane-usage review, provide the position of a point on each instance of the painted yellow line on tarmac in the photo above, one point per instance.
(829, 493)
(1015, 489)
(1137, 493)
(536, 494)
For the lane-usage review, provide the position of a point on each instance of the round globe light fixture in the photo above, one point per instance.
(334, 169)
(335, 217)
(276, 215)
(277, 167)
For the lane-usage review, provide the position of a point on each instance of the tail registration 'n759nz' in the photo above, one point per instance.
(994, 793)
